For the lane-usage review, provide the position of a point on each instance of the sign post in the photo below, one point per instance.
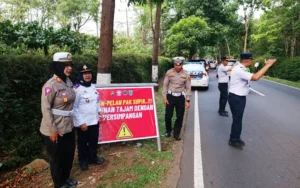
(129, 113)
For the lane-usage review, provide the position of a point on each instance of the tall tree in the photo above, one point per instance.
(106, 42)
(249, 7)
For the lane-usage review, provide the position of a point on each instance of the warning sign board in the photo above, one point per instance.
(129, 114)
(124, 132)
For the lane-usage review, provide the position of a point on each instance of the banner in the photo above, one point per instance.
(129, 114)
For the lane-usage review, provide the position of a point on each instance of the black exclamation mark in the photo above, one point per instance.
(124, 131)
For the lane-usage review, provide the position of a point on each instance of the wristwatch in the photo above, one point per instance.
(187, 100)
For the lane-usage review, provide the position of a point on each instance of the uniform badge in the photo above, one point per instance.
(76, 85)
(65, 99)
(183, 76)
(58, 79)
(47, 90)
(172, 74)
(87, 100)
(63, 94)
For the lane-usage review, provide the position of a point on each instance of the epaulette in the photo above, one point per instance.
(77, 85)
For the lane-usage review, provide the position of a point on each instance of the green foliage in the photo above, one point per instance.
(186, 37)
(21, 80)
(286, 68)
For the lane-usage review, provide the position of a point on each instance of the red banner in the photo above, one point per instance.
(129, 114)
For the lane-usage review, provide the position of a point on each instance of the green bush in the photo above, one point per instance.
(21, 81)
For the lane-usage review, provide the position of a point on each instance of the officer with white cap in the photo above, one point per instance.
(176, 82)
(239, 88)
(57, 125)
(86, 117)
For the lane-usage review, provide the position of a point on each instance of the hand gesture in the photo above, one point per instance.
(270, 62)
(101, 115)
(187, 105)
(166, 102)
(83, 127)
(54, 136)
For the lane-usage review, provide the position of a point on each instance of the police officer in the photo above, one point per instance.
(223, 86)
(239, 88)
(57, 125)
(86, 116)
(176, 82)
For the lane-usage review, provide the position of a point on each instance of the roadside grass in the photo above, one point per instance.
(147, 166)
(286, 82)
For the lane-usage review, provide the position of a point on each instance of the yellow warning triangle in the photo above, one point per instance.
(124, 132)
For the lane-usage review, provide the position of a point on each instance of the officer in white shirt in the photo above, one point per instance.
(239, 88)
(223, 86)
(86, 117)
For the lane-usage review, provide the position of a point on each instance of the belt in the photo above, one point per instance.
(175, 94)
(61, 112)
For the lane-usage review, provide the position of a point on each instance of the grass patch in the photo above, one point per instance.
(286, 82)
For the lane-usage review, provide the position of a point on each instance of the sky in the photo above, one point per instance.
(120, 21)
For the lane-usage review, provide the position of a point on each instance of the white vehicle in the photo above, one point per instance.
(198, 74)
(231, 62)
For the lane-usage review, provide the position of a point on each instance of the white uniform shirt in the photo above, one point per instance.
(239, 82)
(86, 106)
(223, 74)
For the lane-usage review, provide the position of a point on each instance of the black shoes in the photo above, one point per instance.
(223, 114)
(242, 142)
(168, 135)
(84, 166)
(97, 161)
(177, 138)
(236, 145)
(72, 182)
(67, 186)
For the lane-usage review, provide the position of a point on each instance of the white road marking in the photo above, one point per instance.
(198, 168)
(257, 92)
(281, 84)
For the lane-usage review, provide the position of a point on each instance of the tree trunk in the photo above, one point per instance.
(156, 44)
(246, 35)
(293, 47)
(286, 48)
(106, 42)
(228, 48)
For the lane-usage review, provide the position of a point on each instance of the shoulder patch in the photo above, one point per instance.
(47, 90)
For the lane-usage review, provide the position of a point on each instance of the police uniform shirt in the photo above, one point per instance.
(239, 82)
(177, 82)
(86, 106)
(223, 74)
(57, 94)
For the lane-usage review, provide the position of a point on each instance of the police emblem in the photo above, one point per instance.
(130, 92)
(125, 92)
(119, 93)
(112, 93)
(84, 67)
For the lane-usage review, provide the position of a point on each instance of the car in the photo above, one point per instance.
(203, 62)
(212, 64)
(198, 74)
(231, 62)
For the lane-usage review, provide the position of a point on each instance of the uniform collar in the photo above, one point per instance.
(176, 71)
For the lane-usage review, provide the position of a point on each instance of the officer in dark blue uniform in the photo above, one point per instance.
(239, 88)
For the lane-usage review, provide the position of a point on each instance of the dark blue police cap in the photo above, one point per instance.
(223, 58)
(246, 55)
(85, 68)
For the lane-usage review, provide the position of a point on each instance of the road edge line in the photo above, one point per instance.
(198, 168)
(257, 92)
(280, 83)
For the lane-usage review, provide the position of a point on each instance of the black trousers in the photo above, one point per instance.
(179, 104)
(237, 106)
(223, 87)
(87, 144)
(61, 157)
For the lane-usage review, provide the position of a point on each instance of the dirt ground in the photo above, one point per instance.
(116, 155)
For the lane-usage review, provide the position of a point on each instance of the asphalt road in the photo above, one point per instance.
(271, 130)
